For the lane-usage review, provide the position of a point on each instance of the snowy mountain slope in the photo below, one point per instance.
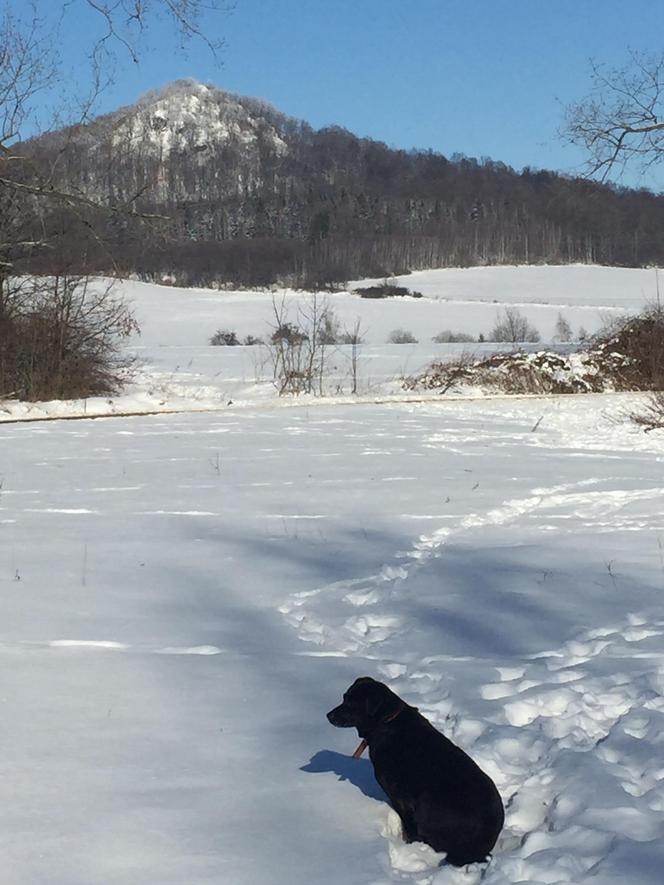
(167, 120)
(175, 144)
(184, 597)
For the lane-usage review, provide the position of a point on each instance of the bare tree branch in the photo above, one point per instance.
(621, 121)
(33, 187)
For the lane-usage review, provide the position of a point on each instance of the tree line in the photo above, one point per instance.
(259, 197)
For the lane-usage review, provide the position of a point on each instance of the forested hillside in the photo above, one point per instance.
(251, 196)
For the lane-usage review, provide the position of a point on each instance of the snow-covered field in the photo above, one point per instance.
(184, 596)
(179, 371)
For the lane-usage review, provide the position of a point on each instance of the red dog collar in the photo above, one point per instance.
(363, 744)
(361, 748)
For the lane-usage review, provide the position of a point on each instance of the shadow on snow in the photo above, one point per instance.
(358, 771)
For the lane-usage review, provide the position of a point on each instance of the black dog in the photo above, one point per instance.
(442, 797)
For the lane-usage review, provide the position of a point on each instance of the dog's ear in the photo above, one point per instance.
(381, 701)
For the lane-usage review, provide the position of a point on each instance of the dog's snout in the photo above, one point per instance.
(337, 717)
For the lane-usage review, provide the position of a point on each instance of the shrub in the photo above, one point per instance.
(224, 338)
(252, 341)
(288, 333)
(401, 336)
(298, 351)
(444, 376)
(351, 337)
(515, 373)
(59, 339)
(634, 348)
(651, 414)
(511, 326)
(448, 337)
(386, 290)
(627, 356)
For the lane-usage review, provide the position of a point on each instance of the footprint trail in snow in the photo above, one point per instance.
(573, 736)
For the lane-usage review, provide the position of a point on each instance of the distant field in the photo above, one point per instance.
(465, 300)
(178, 369)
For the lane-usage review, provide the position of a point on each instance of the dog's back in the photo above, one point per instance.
(443, 797)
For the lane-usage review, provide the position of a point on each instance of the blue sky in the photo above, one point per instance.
(481, 77)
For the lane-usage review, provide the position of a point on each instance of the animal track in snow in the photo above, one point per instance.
(324, 615)
(595, 704)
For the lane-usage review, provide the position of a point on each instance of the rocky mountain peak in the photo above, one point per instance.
(190, 117)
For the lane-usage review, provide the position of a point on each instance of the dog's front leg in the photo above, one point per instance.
(408, 825)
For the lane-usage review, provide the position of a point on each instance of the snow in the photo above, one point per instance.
(179, 371)
(187, 115)
(566, 285)
(185, 595)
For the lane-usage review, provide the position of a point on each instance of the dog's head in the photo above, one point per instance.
(366, 704)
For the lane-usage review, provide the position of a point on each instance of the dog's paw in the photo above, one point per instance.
(414, 857)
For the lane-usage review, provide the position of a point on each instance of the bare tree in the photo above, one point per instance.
(621, 121)
(650, 415)
(563, 331)
(58, 335)
(511, 326)
(299, 350)
(287, 352)
(354, 338)
(30, 67)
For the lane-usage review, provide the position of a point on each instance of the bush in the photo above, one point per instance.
(288, 333)
(512, 327)
(224, 338)
(252, 341)
(386, 290)
(627, 356)
(448, 337)
(444, 376)
(401, 336)
(651, 415)
(634, 348)
(352, 337)
(515, 373)
(299, 351)
(59, 339)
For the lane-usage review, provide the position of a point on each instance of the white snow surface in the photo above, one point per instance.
(184, 596)
(178, 370)
(574, 285)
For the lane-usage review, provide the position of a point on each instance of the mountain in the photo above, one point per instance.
(252, 195)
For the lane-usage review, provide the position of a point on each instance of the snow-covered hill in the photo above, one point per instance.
(188, 115)
(251, 196)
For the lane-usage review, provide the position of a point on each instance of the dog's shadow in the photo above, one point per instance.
(358, 771)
